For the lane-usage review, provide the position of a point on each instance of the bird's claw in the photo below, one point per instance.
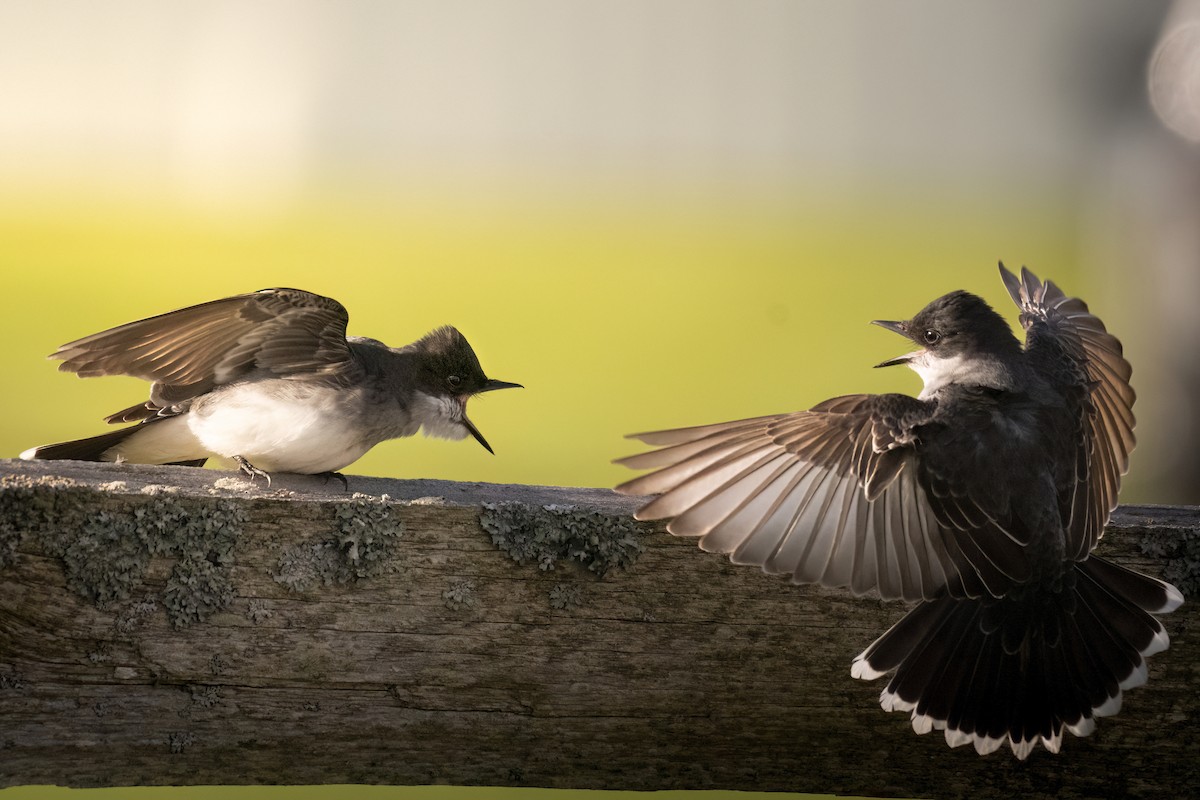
(252, 471)
(338, 475)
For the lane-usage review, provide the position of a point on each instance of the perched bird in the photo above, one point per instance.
(982, 499)
(270, 380)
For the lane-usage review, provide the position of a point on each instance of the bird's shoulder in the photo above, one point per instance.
(891, 419)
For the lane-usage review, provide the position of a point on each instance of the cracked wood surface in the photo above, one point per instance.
(446, 661)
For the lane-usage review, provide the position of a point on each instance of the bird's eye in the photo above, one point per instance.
(454, 380)
(931, 337)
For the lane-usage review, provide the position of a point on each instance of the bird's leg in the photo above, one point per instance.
(338, 475)
(251, 470)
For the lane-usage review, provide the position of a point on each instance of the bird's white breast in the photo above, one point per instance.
(284, 426)
(938, 372)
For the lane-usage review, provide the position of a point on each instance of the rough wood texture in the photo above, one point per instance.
(166, 625)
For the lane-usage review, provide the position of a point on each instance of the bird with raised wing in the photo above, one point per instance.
(270, 381)
(981, 500)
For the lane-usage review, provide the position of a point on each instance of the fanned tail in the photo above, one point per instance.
(1022, 668)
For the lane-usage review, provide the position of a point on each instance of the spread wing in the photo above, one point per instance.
(185, 353)
(831, 496)
(1071, 347)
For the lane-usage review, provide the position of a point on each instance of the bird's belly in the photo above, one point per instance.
(282, 428)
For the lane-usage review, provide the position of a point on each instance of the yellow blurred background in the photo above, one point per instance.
(651, 214)
(617, 314)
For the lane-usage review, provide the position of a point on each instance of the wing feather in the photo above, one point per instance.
(828, 496)
(185, 353)
(1073, 349)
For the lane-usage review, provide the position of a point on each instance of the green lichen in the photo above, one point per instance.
(363, 544)
(546, 534)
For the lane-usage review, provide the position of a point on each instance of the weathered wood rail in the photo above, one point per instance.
(167, 625)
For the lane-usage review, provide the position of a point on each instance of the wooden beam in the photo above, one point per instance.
(167, 625)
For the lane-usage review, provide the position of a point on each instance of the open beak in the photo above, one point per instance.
(892, 362)
(490, 386)
(478, 436)
(895, 327)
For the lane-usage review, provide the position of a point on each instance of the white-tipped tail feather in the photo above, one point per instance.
(964, 667)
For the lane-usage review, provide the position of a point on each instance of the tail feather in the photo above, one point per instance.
(92, 448)
(1022, 669)
(1149, 594)
(168, 442)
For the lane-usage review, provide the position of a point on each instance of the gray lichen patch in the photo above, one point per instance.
(257, 611)
(460, 595)
(106, 547)
(1182, 551)
(110, 557)
(180, 741)
(196, 590)
(202, 542)
(566, 596)
(364, 543)
(104, 559)
(134, 614)
(546, 534)
(31, 506)
(13, 681)
(100, 653)
(204, 696)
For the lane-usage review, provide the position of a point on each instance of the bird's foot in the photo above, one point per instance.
(338, 475)
(252, 471)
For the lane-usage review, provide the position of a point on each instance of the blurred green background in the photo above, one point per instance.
(652, 214)
(618, 314)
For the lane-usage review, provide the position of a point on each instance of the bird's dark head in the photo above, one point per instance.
(449, 373)
(962, 340)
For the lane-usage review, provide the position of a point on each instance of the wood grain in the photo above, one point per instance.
(250, 648)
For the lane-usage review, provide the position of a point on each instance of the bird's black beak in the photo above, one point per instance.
(891, 362)
(478, 436)
(492, 386)
(895, 327)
